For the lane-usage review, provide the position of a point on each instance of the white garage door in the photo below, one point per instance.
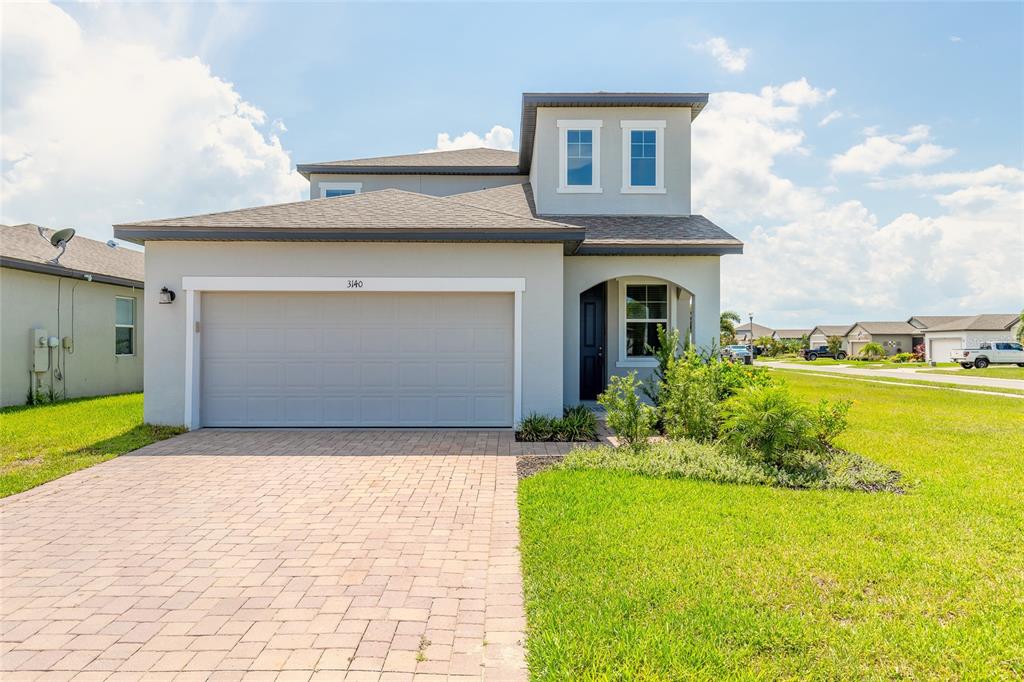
(356, 359)
(939, 349)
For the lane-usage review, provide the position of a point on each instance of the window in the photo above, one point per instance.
(579, 157)
(646, 310)
(339, 189)
(643, 152)
(124, 326)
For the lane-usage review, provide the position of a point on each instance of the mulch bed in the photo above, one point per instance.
(528, 465)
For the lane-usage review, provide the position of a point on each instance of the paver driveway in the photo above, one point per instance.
(265, 567)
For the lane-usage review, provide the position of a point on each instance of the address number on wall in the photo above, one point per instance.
(355, 284)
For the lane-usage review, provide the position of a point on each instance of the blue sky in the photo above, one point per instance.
(924, 90)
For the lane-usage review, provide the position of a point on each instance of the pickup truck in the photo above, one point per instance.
(813, 354)
(995, 353)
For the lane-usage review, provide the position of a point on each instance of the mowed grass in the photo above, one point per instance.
(43, 442)
(629, 578)
(998, 372)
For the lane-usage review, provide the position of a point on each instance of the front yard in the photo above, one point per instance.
(998, 372)
(44, 442)
(637, 578)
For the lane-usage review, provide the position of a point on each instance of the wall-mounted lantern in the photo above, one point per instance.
(166, 296)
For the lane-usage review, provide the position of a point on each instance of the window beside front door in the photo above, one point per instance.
(124, 326)
(646, 310)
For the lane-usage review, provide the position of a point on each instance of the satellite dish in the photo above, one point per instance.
(59, 239)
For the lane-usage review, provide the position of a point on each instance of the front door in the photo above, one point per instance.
(593, 341)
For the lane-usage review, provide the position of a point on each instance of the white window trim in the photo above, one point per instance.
(127, 326)
(195, 286)
(659, 161)
(324, 186)
(671, 301)
(564, 125)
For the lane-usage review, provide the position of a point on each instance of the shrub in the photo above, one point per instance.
(830, 420)
(629, 417)
(669, 348)
(904, 357)
(871, 351)
(690, 407)
(919, 352)
(536, 428)
(835, 344)
(578, 423)
(767, 422)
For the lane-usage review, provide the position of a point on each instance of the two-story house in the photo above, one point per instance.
(458, 288)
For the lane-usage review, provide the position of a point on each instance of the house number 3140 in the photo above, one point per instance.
(355, 284)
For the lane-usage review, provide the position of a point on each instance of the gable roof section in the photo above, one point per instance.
(928, 321)
(22, 248)
(477, 161)
(617, 234)
(385, 215)
(759, 330)
(792, 333)
(886, 327)
(832, 329)
(979, 323)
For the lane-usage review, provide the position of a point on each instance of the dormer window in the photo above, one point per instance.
(643, 157)
(579, 156)
(339, 189)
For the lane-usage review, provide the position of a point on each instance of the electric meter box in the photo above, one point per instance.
(40, 350)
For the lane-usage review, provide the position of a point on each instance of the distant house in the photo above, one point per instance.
(791, 334)
(819, 335)
(743, 332)
(72, 329)
(963, 332)
(894, 337)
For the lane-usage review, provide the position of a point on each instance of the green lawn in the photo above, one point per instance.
(1000, 372)
(635, 578)
(912, 381)
(44, 442)
(861, 364)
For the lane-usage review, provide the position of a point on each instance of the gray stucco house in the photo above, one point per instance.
(456, 288)
(69, 329)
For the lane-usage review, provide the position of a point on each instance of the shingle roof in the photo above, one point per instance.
(792, 333)
(388, 213)
(611, 231)
(759, 330)
(987, 322)
(22, 247)
(930, 321)
(476, 161)
(832, 329)
(887, 327)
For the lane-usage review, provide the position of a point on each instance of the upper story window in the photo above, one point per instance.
(643, 157)
(339, 189)
(579, 156)
(124, 326)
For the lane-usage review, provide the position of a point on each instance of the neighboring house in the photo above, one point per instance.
(967, 332)
(894, 337)
(72, 329)
(458, 288)
(760, 331)
(791, 334)
(819, 335)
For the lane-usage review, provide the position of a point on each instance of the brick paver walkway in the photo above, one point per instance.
(274, 567)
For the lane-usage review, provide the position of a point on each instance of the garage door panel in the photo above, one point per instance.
(356, 359)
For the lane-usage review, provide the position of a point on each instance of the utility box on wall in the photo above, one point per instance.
(40, 351)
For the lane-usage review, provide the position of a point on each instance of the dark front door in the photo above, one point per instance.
(593, 330)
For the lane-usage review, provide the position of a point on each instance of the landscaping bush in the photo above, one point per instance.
(919, 352)
(830, 421)
(904, 357)
(767, 422)
(871, 351)
(690, 404)
(577, 424)
(628, 416)
(669, 348)
(835, 344)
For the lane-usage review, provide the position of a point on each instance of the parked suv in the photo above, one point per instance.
(986, 354)
(821, 352)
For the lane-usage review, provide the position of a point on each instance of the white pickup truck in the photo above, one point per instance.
(995, 353)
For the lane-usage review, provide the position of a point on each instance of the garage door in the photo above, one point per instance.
(856, 347)
(356, 359)
(939, 349)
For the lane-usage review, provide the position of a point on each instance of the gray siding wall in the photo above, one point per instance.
(436, 185)
(29, 300)
(544, 173)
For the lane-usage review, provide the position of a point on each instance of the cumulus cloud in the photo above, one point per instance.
(120, 131)
(877, 152)
(812, 258)
(829, 118)
(732, 60)
(498, 137)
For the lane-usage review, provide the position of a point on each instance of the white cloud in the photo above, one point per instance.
(956, 39)
(878, 152)
(121, 131)
(810, 258)
(829, 118)
(732, 60)
(498, 137)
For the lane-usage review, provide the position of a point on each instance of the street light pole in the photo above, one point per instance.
(750, 339)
